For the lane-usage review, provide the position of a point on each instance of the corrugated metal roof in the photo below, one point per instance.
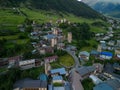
(106, 53)
(35, 84)
(29, 83)
(59, 70)
(57, 78)
(85, 70)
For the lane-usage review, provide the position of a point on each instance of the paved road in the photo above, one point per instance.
(72, 53)
(76, 84)
(75, 77)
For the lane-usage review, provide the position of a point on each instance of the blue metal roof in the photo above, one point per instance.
(103, 86)
(106, 53)
(59, 70)
(57, 78)
(50, 36)
(43, 77)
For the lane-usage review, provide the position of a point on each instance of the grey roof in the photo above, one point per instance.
(35, 83)
(85, 70)
(116, 65)
(91, 68)
(29, 83)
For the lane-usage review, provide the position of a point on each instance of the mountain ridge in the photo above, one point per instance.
(71, 6)
(107, 7)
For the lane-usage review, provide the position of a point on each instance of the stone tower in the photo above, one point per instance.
(69, 37)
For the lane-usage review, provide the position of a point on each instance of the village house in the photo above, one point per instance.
(94, 53)
(84, 55)
(56, 72)
(38, 63)
(50, 59)
(62, 87)
(95, 79)
(71, 48)
(33, 33)
(99, 48)
(103, 45)
(46, 49)
(110, 48)
(111, 43)
(26, 64)
(14, 61)
(60, 46)
(106, 38)
(56, 31)
(49, 37)
(29, 84)
(53, 42)
(116, 66)
(118, 43)
(48, 25)
(85, 71)
(3, 62)
(57, 79)
(106, 55)
(60, 38)
(69, 37)
(117, 53)
(99, 67)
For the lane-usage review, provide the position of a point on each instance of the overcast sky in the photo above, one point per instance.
(110, 0)
(113, 1)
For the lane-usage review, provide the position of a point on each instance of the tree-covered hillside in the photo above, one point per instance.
(69, 6)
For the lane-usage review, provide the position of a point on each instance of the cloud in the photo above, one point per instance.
(92, 2)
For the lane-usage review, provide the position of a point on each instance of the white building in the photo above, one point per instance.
(27, 64)
(95, 79)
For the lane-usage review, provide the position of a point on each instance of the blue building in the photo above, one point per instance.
(102, 86)
(57, 79)
(43, 77)
(59, 71)
(84, 55)
(49, 36)
(94, 53)
(108, 85)
(106, 55)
